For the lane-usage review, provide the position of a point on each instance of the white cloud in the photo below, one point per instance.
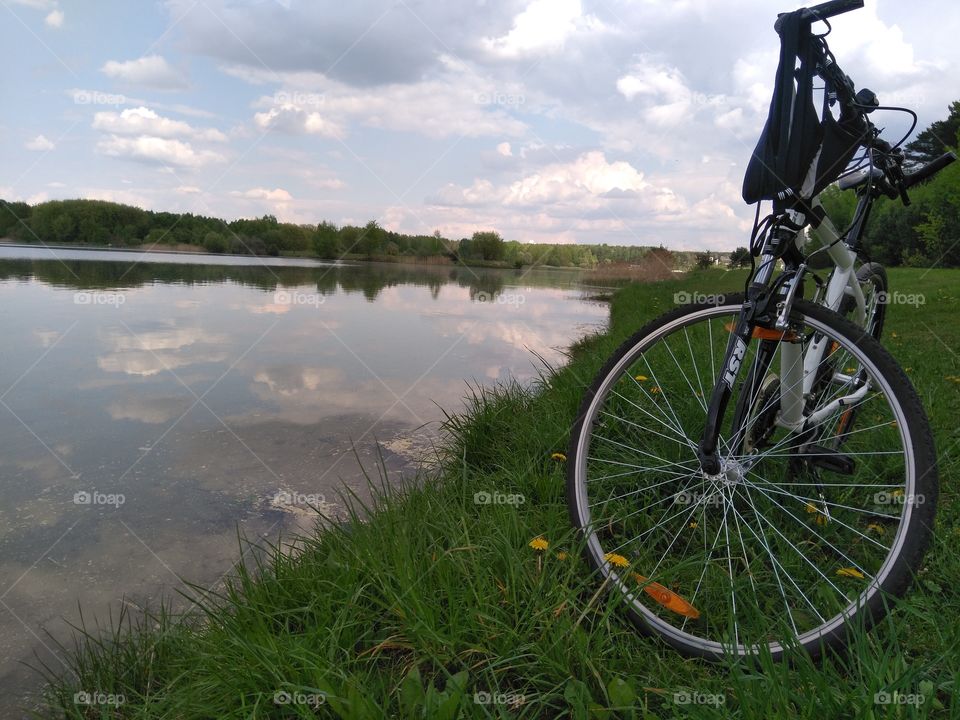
(504, 149)
(54, 19)
(663, 92)
(143, 121)
(275, 195)
(188, 190)
(164, 151)
(151, 71)
(543, 26)
(291, 119)
(457, 101)
(585, 180)
(40, 142)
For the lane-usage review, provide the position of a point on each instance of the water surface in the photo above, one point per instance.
(152, 404)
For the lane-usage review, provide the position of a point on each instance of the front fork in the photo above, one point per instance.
(760, 310)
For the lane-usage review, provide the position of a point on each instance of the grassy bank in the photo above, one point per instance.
(439, 608)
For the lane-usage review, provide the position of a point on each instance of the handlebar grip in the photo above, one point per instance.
(928, 170)
(829, 9)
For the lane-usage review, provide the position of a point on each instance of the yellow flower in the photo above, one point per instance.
(559, 457)
(618, 560)
(850, 573)
(694, 525)
(811, 508)
(822, 519)
(539, 544)
(642, 378)
(878, 529)
(654, 390)
(562, 555)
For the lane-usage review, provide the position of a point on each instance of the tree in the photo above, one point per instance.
(704, 260)
(215, 242)
(488, 245)
(936, 139)
(740, 257)
(326, 241)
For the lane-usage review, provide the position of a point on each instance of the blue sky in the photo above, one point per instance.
(548, 120)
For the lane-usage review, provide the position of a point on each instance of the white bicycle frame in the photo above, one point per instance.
(796, 377)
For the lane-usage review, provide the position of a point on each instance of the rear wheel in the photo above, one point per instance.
(795, 540)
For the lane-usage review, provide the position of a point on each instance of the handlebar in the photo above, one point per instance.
(830, 9)
(932, 168)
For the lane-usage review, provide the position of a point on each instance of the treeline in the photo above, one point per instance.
(107, 224)
(927, 232)
(101, 223)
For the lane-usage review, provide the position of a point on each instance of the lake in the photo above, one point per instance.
(153, 405)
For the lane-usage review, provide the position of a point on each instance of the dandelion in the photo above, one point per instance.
(694, 526)
(641, 378)
(618, 560)
(878, 529)
(559, 457)
(811, 508)
(822, 519)
(539, 544)
(654, 390)
(563, 555)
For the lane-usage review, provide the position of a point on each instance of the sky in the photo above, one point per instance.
(621, 121)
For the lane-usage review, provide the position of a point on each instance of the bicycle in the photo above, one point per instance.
(795, 522)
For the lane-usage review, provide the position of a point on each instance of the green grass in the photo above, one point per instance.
(437, 597)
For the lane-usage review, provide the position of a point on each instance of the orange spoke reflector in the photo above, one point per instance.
(760, 333)
(668, 598)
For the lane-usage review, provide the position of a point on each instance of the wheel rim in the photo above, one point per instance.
(764, 518)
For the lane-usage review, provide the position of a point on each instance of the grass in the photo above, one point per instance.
(438, 604)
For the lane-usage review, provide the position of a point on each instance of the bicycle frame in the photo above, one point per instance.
(798, 367)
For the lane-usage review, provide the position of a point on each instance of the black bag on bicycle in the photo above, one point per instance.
(800, 151)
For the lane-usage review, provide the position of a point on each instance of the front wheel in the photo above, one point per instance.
(799, 538)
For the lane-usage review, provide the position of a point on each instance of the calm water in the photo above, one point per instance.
(152, 404)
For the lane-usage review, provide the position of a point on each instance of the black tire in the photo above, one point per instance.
(875, 275)
(912, 537)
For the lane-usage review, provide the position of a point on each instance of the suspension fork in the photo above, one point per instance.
(754, 310)
(759, 310)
